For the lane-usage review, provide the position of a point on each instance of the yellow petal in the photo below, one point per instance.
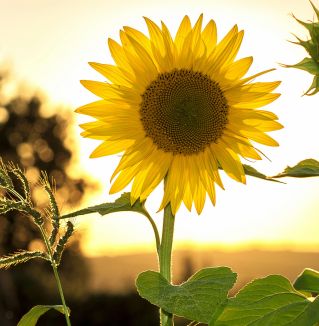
(244, 114)
(139, 179)
(225, 53)
(139, 37)
(112, 73)
(95, 109)
(111, 91)
(103, 110)
(146, 166)
(170, 49)
(246, 80)
(256, 101)
(210, 165)
(188, 199)
(209, 186)
(260, 137)
(196, 32)
(124, 178)
(119, 56)
(171, 186)
(200, 196)
(183, 31)
(110, 148)
(229, 161)
(261, 87)
(244, 149)
(209, 36)
(156, 36)
(263, 125)
(238, 69)
(158, 172)
(145, 60)
(137, 153)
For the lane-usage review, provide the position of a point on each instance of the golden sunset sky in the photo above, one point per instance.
(48, 43)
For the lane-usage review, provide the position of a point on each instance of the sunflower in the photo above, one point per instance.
(180, 109)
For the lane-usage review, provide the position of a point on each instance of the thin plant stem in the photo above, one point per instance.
(157, 237)
(165, 257)
(56, 275)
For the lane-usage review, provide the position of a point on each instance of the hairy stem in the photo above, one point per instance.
(165, 257)
(56, 275)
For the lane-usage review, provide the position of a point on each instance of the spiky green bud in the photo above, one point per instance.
(62, 242)
(310, 64)
(20, 257)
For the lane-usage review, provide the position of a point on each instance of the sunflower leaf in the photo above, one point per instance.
(310, 316)
(249, 170)
(119, 205)
(32, 316)
(267, 301)
(199, 298)
(308, 281)
(304, 169)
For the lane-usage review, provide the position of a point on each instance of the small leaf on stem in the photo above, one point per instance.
(121, 204)
(249, 170)
(304, 169)
(32, 316)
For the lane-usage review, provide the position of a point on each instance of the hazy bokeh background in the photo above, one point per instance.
(258, 228)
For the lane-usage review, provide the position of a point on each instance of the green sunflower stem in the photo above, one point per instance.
(165, 257)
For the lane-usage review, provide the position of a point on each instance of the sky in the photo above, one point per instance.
(48, 44)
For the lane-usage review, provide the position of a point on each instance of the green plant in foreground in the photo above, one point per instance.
(203, 298)
(180, 109)
(16, 195)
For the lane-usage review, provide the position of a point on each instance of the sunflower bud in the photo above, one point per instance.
(310, 64)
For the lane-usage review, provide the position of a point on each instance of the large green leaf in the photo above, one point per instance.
(120, 205)
(309, 317)
(308, 281)
(271, 301)
(203, 295)
(32, 316)
(304, 169)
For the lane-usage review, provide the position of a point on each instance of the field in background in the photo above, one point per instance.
(117, 274)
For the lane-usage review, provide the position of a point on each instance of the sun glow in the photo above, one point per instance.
(259, 213)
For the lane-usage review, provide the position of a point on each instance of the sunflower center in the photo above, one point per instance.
(183, 111)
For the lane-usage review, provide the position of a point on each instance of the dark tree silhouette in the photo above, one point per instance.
(35, 143)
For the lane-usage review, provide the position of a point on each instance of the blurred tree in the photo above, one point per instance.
(36, 143)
